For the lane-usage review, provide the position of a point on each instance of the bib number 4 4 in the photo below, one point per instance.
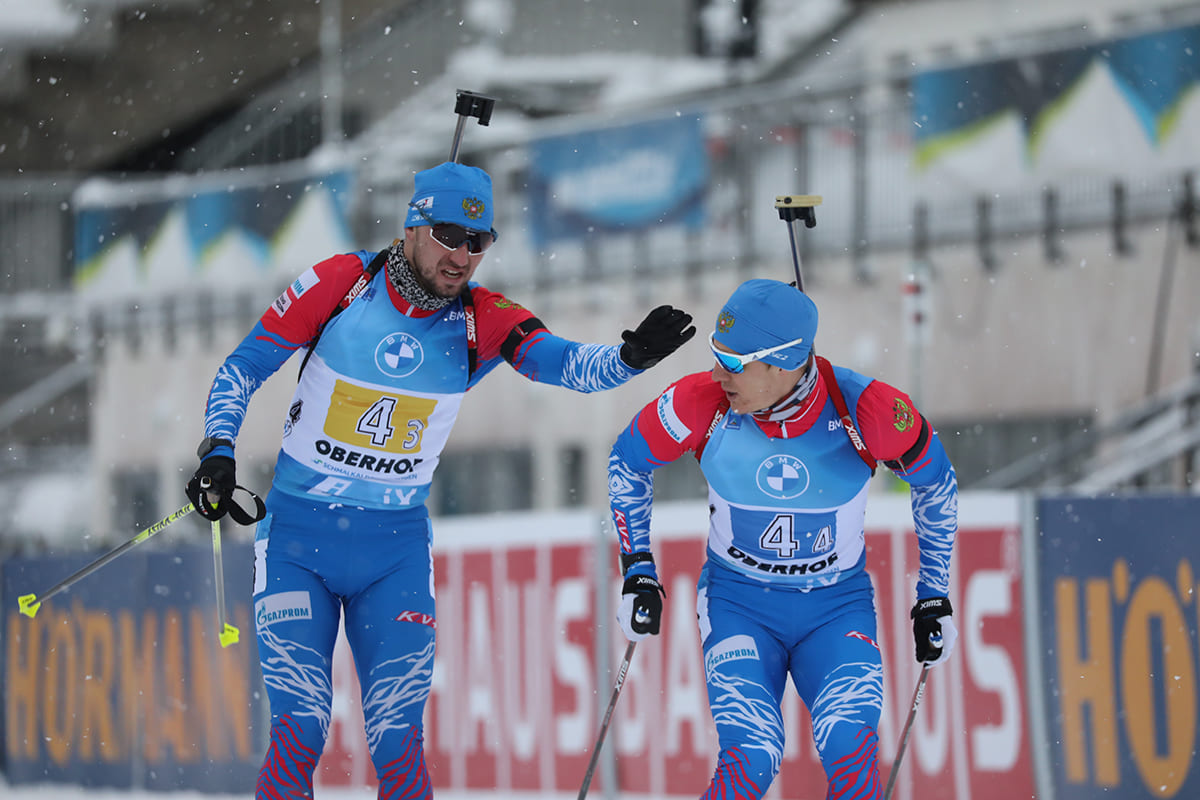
(780, 537)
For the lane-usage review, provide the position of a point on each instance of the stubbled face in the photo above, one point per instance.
(439, 271)
(757, 386)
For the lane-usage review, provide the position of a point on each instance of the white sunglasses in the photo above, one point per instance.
(734, 363)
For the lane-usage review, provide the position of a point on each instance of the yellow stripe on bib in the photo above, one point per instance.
(372, 419)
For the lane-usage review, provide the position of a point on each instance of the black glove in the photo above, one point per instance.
(640, 612)
(216, 477)
(933, 629)
(662, 332)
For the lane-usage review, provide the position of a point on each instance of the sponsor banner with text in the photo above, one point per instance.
(1118, 587)
(120, 680)
(516, 702)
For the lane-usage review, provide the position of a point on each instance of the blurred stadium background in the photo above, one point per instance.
(1009, 226)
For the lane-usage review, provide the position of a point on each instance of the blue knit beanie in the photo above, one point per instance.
(452, 192)
(764, 313)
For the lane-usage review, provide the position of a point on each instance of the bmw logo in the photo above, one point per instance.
(398, 355)
(782, 477)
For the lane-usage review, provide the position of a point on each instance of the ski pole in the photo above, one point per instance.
(612, 704)
(30, 603)
(793, 208)
(467, 105)
(228, 634)
(912, 714)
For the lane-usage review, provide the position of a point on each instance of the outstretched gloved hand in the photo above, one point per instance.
(662, 332)
(933, 629)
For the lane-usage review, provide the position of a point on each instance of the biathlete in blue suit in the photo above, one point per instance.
(393, 340)
(787, 444)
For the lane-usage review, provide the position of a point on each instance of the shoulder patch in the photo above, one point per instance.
(282, 303)
(504, 302)
(305, 282)
(667, 417)
(902, 415)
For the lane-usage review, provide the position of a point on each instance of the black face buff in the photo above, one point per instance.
(400, 274)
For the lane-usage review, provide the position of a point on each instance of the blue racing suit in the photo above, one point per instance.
(784, 588)
(347, 530)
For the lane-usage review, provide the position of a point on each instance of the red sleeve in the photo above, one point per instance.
(680, 418)
(888, 421)
(501, 323)
(298, 314)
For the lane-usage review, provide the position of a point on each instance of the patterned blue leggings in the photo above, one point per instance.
(311, 565)
(754, 636)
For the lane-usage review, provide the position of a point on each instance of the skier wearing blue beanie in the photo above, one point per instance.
(787, 443)
(393, 340)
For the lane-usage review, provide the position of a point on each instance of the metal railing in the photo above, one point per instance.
(1156, 443)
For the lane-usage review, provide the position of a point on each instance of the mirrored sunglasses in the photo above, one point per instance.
(452, 236)
(735, 363)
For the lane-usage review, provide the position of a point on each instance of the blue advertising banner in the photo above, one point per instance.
(623, 179)
(1118, 597)
(120, 681)
(258, 213)
(1137, 90)
(134, 236)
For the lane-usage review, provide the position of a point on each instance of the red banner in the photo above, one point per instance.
(516, 704)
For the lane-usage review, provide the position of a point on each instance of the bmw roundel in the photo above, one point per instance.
(399, 354)
(782, 477)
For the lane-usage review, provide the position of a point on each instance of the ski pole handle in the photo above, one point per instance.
(205, 485)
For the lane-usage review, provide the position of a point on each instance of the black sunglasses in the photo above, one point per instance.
(452, 237)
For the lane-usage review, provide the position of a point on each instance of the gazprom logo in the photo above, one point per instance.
(399, 355)
(736, 648)
(282, 607)
(782, 477)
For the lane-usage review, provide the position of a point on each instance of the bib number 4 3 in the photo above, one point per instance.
(376, 422)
